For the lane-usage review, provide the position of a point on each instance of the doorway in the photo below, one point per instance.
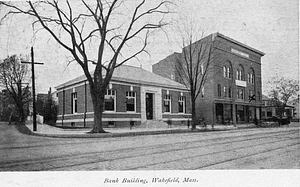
(219, 113)
(149, 106)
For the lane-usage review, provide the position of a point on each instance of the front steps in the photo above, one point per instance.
(153, 124)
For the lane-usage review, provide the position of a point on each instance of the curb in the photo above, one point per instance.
(25, 130)
(125, 134)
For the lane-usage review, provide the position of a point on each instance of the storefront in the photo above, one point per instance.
(244, 113)
(223, 113)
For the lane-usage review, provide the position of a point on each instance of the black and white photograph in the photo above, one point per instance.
(149, 93)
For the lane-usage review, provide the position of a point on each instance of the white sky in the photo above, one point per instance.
(271, 26)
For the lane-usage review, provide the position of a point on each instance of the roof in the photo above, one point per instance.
(239, 43)
(131, 74)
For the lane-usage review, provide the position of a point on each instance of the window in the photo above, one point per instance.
(74, 103)
(240, 75)
(251, 76)
(181, 104)
(219, 90)
(225, 91)
(240, 93)
(227, 70)
(110, 100)
(130, 101)
(167, 103)
(251, 95)
(229, 92)
(240, 113)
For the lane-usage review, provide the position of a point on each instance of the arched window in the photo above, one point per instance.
(227, 69)
(224, 71)
(251, 76)
(229, 72)
(240, 74)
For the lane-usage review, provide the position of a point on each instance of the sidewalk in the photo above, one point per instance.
(51, 131)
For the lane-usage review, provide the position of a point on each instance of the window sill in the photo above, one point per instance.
(109, 112)
(73, 113)
(227, 98)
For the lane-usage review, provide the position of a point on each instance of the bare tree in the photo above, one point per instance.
(194, 64)
(112, 27)
(283, 90)
(14, 80)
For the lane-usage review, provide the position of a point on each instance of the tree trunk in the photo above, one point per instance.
(98, 101)
(194, 118)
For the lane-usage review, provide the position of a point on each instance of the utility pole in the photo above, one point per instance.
(33, 88)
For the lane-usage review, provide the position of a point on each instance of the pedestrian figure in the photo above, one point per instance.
(188, 123)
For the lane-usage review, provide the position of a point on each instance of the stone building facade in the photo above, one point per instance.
(232, 93)
(134, 94)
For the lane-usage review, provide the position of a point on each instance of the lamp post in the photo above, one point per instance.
(33, 88)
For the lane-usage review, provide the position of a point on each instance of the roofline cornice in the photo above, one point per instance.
(120, 80)
(239, 43)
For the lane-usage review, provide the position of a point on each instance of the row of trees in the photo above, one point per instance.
(16, 94)
(282, 91)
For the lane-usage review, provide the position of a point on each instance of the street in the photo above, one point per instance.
(256, 148)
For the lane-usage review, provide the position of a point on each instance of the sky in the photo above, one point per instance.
(270, 26)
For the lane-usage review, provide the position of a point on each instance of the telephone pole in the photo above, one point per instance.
(33, 88)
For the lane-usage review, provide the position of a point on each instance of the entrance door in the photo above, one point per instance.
(219, 113)
(149, 105)
(240, 113)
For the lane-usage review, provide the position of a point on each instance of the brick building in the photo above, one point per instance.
(134, 94)
(232, 92)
